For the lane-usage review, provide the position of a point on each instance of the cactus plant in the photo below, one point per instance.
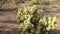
(47, 23)
(32, 21)
(40, 2)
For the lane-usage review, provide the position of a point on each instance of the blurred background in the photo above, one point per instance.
(9, 8)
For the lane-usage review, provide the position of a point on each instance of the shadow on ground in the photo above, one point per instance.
(58, 31)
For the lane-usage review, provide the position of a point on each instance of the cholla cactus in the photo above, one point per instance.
(47, 24)
(3, 1)
(40, 2)
(31, 21)
(18, 1)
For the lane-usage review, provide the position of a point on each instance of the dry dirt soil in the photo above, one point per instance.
(8, 24)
